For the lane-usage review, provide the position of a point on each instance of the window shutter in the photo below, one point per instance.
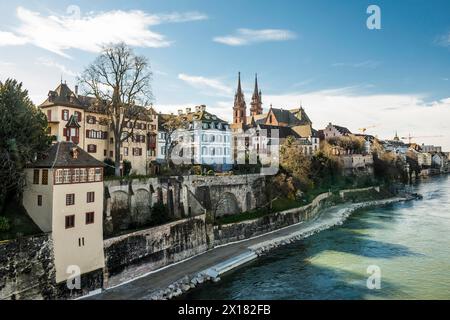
(65, 132)
(79, 116)
(87, 133)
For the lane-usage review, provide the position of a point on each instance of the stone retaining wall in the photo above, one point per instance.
(26, 268)
(247, 229)
(137, 253)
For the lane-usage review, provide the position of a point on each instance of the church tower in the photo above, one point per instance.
(256, 104)
(239, 108)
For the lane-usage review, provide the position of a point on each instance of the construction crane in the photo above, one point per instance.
(409, 137)
(363, 130)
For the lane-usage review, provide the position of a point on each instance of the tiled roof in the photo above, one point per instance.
(283, 132)
(64, 96)
(286, 116)
(61, 155)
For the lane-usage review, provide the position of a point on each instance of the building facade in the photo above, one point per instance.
(64, 196)
(205, 139)
(76, 118)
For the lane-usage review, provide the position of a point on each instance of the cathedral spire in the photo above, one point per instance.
(256, 104)
(239, 108)
(239, 89)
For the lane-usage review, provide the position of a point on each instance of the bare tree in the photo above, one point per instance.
(170, 127)
(120, 82)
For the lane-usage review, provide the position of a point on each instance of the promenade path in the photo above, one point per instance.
(142, 288)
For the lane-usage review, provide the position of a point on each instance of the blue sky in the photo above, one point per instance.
(317, 53)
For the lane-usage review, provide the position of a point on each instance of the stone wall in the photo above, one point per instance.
(27, 272)
(128, 204)
(26, 268)
(142, 251)
(243, 230)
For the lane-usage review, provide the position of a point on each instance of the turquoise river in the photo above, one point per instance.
(409, 243)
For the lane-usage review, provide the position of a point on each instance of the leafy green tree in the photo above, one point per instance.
(296, 164)
(22, 137)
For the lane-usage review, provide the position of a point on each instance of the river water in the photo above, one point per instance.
(409, 243)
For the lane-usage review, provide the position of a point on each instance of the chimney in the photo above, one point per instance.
(203, 107)
(197, 108)
(188, 110)
(76, 90)
(180, 112)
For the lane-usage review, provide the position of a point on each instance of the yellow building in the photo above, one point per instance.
(77, 118)
(64, 196)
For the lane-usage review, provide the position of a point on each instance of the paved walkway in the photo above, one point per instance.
(142, 288)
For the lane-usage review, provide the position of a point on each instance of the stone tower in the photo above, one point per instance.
(239, 108)
(256, 104)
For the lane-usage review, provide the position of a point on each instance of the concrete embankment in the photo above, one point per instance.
(254, 248)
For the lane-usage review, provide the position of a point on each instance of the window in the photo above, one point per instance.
(104, 152)
(81, 242)
(36, 176)
(45, 176)
(59, 176)
(111, 153)
(77, 115)
(39, 200)
(91, 174)
(76, 175)
(66, 176)
(111, 140)
(70, 221)
(204, 151)
(70, 199)
(90, 196)
(137, 151)
(98, 174)
(125, 151)
(89, 217)
(91, 119)
(82, 175)
(65, 115)
(49, 115)
(92, 148)
(163, 151)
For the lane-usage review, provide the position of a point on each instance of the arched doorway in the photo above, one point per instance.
(227, 205)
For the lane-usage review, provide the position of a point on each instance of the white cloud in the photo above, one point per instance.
(10, 39)
(58, 33)
(52, 64)
(250, 36)
(206, 83)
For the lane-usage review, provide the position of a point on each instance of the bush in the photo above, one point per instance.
(197, 170)
(210, 173)
(4, 224)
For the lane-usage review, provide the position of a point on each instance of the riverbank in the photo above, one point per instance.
(174, 280)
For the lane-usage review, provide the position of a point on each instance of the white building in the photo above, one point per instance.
(64, 196)
(431, 148)
(206, 139)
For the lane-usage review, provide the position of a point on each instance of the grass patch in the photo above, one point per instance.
(20, 224)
